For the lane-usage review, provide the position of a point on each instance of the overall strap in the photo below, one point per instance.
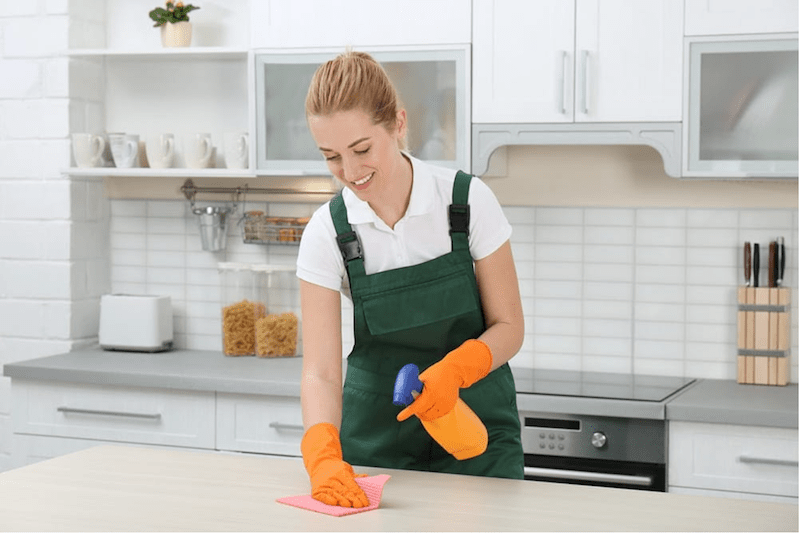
(459, 212)
(347, 239)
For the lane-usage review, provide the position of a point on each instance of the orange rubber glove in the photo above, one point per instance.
(332, 479)
(460, 368)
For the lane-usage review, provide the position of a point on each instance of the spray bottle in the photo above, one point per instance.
(460, 432)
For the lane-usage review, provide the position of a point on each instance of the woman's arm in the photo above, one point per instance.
(321, 382)
(502, 307)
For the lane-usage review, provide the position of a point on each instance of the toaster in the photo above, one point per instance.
(135, 323)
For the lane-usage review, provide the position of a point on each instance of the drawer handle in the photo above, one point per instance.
(67, 410)
(749, 459)
(277, 426)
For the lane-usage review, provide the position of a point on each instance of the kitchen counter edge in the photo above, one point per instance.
(705, 400)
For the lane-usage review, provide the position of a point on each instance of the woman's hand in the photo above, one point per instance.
(460, 368)
(332, 479)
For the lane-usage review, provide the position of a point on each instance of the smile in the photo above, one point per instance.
(363, 180)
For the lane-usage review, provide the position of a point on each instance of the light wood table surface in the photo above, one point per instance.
(115, 488)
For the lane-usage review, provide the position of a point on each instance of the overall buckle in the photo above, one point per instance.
(350, 246)
(459, 218)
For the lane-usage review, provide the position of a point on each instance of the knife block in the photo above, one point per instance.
(764, 335)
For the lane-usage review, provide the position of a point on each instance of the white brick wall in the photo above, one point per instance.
(53, 230)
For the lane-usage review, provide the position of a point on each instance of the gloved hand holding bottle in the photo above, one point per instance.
(332, 479)
(461, 368)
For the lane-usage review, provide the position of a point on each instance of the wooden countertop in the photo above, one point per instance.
(115, 488)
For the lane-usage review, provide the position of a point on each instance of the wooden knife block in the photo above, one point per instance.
(764, 335)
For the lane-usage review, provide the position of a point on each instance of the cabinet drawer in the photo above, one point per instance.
(259, 424)
(756, 460)
(99, 412)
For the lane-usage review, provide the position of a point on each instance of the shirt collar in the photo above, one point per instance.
(421, 201)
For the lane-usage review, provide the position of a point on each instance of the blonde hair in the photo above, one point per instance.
(354, 80)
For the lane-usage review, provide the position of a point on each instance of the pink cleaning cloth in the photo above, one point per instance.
(371, 485)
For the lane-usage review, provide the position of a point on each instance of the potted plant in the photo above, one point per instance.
(176, 30)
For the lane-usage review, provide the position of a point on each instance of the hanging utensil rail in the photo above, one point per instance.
(190, 190)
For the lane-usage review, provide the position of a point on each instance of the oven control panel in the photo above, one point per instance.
(593, 437)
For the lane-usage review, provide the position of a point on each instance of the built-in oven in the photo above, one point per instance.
(597, 429)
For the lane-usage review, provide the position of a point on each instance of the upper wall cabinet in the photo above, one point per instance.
(358, 23)
(736, 17)
(562, 61)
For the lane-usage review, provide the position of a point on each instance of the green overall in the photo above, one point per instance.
(418, 314)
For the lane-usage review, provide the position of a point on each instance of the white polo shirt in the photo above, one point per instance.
(422, 234)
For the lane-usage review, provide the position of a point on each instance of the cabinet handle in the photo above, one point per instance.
(585, 74)
(145, 416)
(749, 459)
(277, 426)
(562, 89)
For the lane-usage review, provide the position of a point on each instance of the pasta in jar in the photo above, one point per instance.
(239, 327)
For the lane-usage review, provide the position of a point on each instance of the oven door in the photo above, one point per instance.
(596, 472)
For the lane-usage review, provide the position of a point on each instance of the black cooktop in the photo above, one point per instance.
(598, 384)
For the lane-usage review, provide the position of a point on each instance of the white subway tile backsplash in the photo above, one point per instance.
(711, 237)
(609, 216)
(660, 217)
(605, 289)
(608, 235)
(606, 328)
(607, 309)
(766, 219)
(559, 216)
(673, 256)
(660, 237)
(649, 274)
(559, 234)
(610, 291)
(615, 254)
(724, 219)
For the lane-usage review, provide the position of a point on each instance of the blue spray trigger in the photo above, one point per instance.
(406, 382)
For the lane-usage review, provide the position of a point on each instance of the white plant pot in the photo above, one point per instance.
(176, 34)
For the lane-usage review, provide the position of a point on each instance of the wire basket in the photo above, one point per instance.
(260, 229)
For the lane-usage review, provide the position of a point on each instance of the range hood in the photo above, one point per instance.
(664, 137)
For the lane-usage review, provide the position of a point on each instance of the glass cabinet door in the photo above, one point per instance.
(433, 88)
(743, 108)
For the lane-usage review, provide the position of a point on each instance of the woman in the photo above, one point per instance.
(390, 243)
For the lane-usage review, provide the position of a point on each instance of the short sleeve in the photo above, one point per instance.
(318, 259)
(488, 226)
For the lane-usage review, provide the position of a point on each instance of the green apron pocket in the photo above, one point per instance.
(419, 305)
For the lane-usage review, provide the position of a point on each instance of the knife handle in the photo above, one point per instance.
(756, 262)
(781, 261)
(747, 263)
(773, 265)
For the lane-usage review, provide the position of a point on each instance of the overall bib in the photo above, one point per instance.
(419, 314)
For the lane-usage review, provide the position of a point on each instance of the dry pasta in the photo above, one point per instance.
(276, 335)
(238, 327)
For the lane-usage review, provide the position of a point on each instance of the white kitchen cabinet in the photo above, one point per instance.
(563, 61)
(736, 17)
(259, 424)
(357, 23)
(114, 413)
(742, 461)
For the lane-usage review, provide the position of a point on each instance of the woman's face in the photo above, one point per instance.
(363, 156)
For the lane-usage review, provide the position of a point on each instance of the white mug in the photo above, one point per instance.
(88, 150)
(160, 150)
(125, 149)
(236, 150)
(199, 151)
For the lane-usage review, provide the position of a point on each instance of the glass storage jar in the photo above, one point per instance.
(242, 305)
(278, 332)
(260, 310)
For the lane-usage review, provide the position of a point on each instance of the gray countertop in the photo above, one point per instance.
(706, 400)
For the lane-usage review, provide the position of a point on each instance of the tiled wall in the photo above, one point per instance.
(604, 289)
